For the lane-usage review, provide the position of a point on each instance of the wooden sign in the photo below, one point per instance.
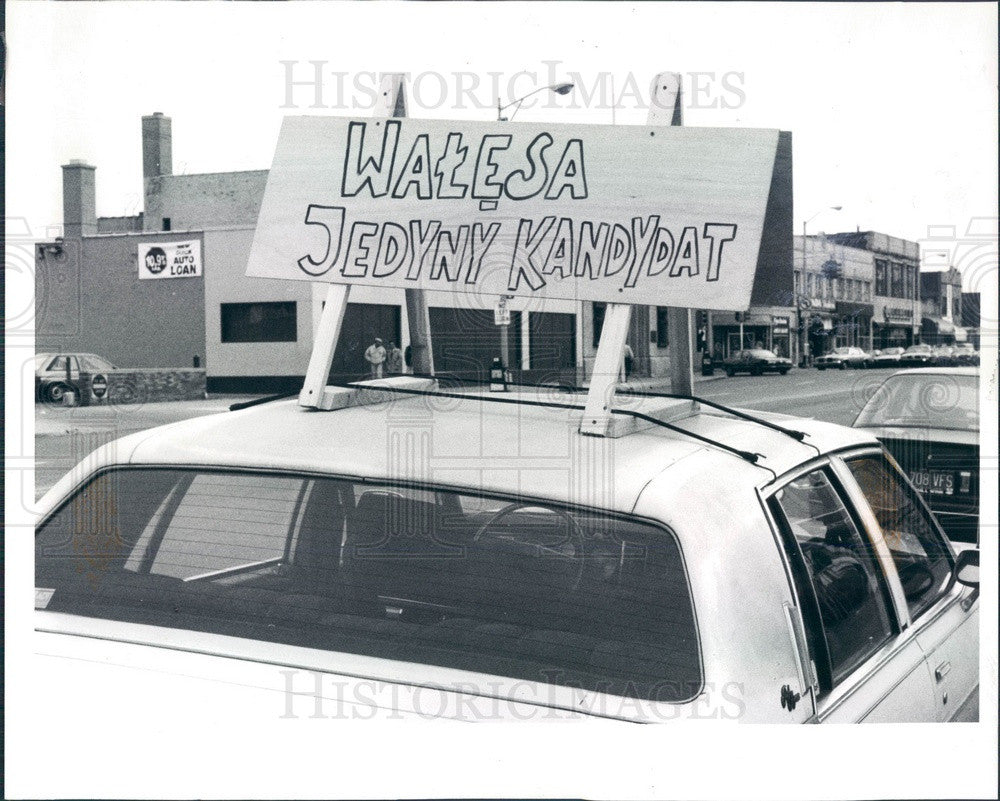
(628, 214)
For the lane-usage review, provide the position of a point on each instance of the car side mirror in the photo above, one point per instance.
(966, 570)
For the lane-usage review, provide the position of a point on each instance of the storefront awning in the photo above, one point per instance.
(846, 308)
(941, 325)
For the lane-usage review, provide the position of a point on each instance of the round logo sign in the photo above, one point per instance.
(156, 260)
(99, 385)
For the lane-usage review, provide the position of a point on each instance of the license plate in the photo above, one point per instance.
(934, 482)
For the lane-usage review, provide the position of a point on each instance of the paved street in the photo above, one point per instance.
(833, 395)
(63, 436)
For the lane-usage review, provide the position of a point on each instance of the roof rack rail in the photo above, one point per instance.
(748, 456)
(795, 434)
(235, 407)
(790, 432)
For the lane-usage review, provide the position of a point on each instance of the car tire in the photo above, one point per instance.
(783, 371)
(730, 372)
(843, 365)
(821, 367)
(756, 371)
(54, 393)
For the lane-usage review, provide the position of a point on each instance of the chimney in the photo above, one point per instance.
(156, 151)
(79, 203)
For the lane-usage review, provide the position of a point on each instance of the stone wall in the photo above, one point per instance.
(145, 386)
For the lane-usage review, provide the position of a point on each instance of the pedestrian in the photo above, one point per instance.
(375, 356)
(394, 360)
(629, 360)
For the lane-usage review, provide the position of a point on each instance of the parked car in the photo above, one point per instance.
(842, 358)
(918, 356)
(887, 357)
(722, 565)
(944, 356)
(966, 355)
(58, 373)
(756, 361)
(928, 419)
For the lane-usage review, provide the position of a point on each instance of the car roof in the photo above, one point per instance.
(938, 371)
(508, 449)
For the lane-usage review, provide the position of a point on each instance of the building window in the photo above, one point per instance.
(166, 223)
(910, 272)
(258, 322)
(956, 307)
(881, 280)
(599, 309)
(798, 283)
(661, 326)
(896, 286)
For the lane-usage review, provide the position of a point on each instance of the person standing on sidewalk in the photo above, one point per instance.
(375, 356)
(394, 360)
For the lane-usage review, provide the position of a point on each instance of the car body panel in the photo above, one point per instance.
(519, 451)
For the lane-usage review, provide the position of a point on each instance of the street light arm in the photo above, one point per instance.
(522, 99)
(558, 88)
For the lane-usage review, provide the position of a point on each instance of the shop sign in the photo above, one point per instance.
(170, 259)
(628, 214)
(898, 313)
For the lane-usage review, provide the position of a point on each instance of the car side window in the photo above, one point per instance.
(922, 558)
(845, 578)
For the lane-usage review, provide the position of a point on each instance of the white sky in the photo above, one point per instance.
(892, 106)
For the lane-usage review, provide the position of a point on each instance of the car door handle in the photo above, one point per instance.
(941, 671)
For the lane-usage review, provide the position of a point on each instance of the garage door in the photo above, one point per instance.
(466, 341)
(553, 341)
(362, 323)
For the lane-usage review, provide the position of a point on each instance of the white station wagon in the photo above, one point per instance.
(472, 555)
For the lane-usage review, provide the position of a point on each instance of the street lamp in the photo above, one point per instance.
(558, 88)
(802, 332)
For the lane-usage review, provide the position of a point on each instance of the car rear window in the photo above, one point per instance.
(924, 400)
(533, 591)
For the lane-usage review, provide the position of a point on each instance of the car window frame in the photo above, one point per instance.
(889, 564)
(828, 693)
(368, 481)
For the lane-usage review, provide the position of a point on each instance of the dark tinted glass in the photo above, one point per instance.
(529, 591)
(846, 577)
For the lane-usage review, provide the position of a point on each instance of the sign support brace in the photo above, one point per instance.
(391, 103)
(597, 417)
